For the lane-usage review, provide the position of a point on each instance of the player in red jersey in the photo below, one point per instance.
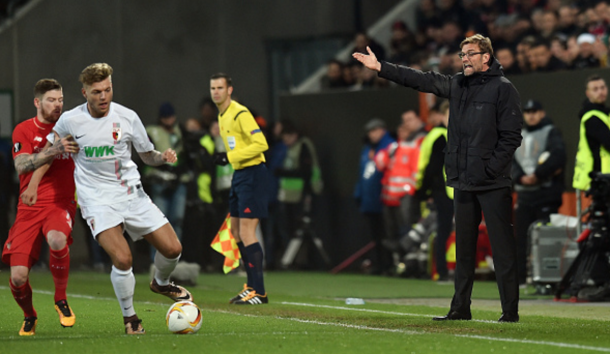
(46, 206)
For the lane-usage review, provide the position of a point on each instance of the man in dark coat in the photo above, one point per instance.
(484, 132)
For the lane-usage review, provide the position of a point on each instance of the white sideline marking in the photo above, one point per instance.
(374, 311)
(512, 340)
(344, 325)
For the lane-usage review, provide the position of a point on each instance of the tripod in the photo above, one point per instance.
(593, 255)
(305, 233)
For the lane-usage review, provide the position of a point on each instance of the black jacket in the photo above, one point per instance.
(552, 169)
(484, 123)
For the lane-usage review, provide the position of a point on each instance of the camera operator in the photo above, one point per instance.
(594, 140)
(538, 174)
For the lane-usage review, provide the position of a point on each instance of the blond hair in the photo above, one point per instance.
(95, 73)
(483, 42)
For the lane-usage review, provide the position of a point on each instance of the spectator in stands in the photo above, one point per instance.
(507, 59)
(334, 75)
(549, 25)
(348, 75)
(167, 182)
(537, 19)
(523, 49)
(448, 57)
(538, 176)
(559, 48)
(402, 43)
(542, 60)
(362, 41)
(451, 33)
(427, 14)
(452, 11)
(587, 56)
(572, 50)
(595, 23)
(367, 193)
(567, 20)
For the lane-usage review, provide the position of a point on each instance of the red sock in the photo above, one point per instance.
(59, 263)
(23, 296)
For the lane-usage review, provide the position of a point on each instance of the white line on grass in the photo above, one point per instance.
(392, 330)
(370, 310)
(512, 340)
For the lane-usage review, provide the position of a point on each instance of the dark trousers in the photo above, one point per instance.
(496, 206)
(444, 220)
(376, 229)
(527, 212)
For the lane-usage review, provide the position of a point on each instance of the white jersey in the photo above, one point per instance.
(105, 173)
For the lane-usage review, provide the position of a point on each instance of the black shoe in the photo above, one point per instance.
(509, 317)
(453, 316)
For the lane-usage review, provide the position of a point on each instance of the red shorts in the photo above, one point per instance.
(31, 225)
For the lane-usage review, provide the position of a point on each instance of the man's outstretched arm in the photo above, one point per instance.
(155, 158)
(29, 162)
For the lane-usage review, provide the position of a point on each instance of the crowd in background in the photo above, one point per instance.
(528, 35)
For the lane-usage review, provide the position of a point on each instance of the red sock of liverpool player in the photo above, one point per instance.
(23, 296)
(59, 263)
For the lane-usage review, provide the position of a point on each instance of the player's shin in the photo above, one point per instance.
(23, 297)
(164, 267)
(124, 284)
(59, 264)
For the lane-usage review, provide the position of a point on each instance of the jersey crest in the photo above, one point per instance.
(116, 132)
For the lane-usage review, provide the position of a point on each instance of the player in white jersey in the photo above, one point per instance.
(110, 193)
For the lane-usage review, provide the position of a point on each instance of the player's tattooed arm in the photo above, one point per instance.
(155, 158)
(25, 163)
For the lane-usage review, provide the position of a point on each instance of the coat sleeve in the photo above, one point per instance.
(430, 81)
(516, 172)
(557, 156)
(509, 121)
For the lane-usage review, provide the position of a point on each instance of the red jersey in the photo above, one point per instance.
(57, 185)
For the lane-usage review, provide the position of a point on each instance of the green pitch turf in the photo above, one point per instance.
(307, 314)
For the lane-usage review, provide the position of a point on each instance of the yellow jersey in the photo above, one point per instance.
(243, 138)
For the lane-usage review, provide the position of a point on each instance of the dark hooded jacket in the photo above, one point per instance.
(484, 122)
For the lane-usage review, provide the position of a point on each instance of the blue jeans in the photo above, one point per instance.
(172, 203)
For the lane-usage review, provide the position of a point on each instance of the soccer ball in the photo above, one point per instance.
(183, 317)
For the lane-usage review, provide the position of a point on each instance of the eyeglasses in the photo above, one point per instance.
(469, 54)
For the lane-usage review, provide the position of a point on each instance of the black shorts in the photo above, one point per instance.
(249, 197)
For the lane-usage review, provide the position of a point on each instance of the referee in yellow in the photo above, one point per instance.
(245, 144)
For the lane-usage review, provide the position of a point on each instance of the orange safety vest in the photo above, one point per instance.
(399, 163)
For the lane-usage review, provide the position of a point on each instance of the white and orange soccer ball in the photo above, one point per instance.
(183, 317)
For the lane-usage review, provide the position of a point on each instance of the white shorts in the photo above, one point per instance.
(139, 216)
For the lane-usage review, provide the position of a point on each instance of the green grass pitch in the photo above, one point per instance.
(307, 314)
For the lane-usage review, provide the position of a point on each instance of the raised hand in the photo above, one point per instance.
(170, 156)
(370, 60)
